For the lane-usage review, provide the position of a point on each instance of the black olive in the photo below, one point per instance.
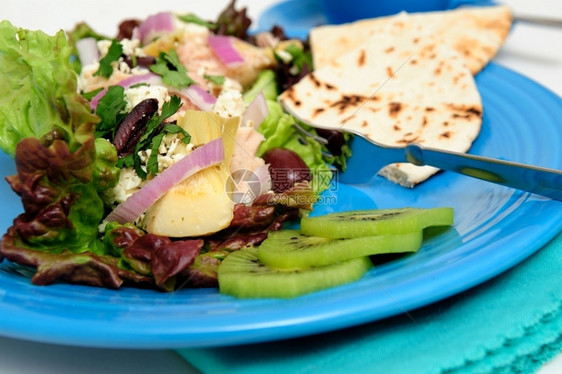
(286, 168)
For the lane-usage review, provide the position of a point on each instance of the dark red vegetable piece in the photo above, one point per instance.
(286, 168)
(132, 127)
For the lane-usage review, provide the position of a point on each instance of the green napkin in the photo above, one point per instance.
(510, 324)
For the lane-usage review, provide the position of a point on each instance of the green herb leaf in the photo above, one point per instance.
(192, 18)
(172, 71)
(125, 162)
(175, 129)
(216, 79)
(109, 110)
(168, 109)
(115, 51)
(141, 84)
(152, 163)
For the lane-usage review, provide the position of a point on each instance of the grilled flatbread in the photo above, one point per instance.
(395, 90)
(475, 33)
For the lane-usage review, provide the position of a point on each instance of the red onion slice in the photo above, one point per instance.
(201, 158)
(256, 111)
(148, 78)
(223, 48)
(155, 25)
(201, 98)
(87, 51)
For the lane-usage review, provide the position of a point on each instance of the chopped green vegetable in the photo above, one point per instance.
(172, 71)
(115, 51)
(152, 163)
(110, 110)
(192, 18)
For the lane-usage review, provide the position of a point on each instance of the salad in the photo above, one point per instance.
(147, 157)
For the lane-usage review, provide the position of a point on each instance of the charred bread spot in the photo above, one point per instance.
(348, 101)
(389, 71)
(361, 59)
(314, 80)
(394, 108)
(317, 111)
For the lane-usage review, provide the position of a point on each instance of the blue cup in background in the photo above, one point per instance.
(338, 11)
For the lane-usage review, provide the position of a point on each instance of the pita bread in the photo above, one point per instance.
(395, 90)
(475, 33)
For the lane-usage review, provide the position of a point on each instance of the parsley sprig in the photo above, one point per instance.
(110, 110)
(113, 54)
(172, 71)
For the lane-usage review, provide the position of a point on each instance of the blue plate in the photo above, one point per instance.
(496, 228)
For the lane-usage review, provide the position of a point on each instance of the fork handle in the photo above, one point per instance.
(538, 180)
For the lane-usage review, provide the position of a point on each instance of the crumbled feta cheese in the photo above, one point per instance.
(132, 47)
(231, 84)
(129, 182)
(229, 104)
(135, 95)
(123, 66)
(103, 47)
(169, 153)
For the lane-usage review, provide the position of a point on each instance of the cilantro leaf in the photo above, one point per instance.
(152, 163)
(172, 71)
(115, 51)
(109, 110)
(192, 18)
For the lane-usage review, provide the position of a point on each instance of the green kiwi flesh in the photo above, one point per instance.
(242, 275)
(289, 249)
(359, 223)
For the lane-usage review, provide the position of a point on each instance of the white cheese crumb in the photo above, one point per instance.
(135, 95)
(229, 104)
(129, 182)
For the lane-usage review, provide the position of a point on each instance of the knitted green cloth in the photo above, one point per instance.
(510, 324)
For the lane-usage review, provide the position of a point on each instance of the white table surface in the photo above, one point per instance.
(534, 51)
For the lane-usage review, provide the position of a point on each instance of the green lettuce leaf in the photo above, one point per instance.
(38, 89)
(49, 129)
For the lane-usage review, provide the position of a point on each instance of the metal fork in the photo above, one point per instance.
(369, 157)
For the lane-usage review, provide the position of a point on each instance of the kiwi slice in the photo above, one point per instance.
(289, 249)
(241, 274)
(358, 223)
